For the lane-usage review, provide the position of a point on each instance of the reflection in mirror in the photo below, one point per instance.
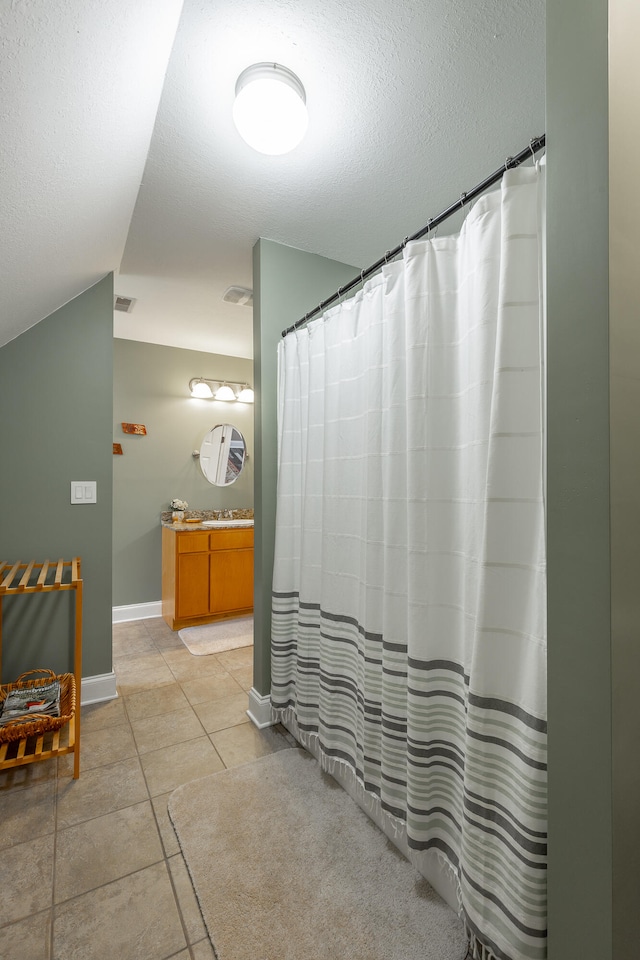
(222, 455)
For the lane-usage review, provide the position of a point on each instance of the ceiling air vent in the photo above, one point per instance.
(124, 304)
(239, 295)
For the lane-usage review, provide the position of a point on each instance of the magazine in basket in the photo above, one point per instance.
(24, 701)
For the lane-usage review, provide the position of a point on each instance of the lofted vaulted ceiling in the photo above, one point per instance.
(118, 151)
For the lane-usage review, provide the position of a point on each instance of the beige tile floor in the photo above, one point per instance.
(91, 869)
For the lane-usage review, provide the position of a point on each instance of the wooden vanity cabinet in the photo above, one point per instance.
(206, 575)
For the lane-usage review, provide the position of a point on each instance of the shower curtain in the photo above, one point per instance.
(409, 603)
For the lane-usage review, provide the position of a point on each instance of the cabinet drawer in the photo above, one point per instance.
(196, 542)
(231, 539)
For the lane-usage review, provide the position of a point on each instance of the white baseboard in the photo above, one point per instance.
(259, 711)
(136, 611)
(98, 688)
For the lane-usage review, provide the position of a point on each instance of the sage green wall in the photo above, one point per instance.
(286, 284)
(624, 255)
(55, 427)
(151, 386)
(579, 624)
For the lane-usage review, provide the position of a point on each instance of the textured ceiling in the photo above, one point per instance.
(409, 103)
(80, 86)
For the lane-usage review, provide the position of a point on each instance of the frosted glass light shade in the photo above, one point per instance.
(270, 108)
(246, 395)
(225, 392)
(200, 389)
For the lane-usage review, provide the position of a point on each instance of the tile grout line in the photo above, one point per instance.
(52, 912)
(183, 922)
(164, 848)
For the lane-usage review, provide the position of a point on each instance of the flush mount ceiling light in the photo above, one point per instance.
(270, 108)
(204, 389)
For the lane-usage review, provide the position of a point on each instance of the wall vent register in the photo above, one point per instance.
(124, 304)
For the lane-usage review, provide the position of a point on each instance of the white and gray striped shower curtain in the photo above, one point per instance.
(409, 603)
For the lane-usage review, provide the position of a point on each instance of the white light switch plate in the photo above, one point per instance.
(84, 491)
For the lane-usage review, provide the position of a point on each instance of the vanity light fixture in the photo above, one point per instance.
(270, 110)
(226, 390)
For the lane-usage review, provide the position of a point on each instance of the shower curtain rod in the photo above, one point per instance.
(535, 144)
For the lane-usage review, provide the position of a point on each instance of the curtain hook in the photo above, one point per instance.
(463, 199)
(507, 162)
(386, 256)
(362, 276)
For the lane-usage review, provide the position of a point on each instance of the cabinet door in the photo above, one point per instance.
(192, 591)
(231, 580)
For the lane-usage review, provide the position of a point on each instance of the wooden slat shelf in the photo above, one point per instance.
(24, 579)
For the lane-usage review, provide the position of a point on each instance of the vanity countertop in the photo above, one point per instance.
(191, 515)
(201, 526)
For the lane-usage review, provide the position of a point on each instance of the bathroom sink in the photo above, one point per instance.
(227, 523)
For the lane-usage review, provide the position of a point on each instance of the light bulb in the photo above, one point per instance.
(200, 389)
(225, 392)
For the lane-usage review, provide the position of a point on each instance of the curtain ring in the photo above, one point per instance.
(386, 256)
(362, 276)
(463, 199)
(507, 162)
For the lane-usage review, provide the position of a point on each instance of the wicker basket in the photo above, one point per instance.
(38, 723)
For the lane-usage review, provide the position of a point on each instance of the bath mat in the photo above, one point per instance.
(286, 866)
(218, 637)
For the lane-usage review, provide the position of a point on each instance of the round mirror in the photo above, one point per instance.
(222, 455)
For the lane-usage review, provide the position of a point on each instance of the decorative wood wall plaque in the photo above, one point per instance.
(138, 428)
(117, 448)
